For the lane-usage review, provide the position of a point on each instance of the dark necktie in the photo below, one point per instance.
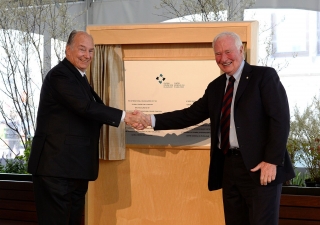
(88, 86)
(225, 116)
(86, 81)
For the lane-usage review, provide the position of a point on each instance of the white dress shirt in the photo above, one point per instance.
(233, 134)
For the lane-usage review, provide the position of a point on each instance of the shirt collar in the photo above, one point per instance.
(81, 72)
(237, 74)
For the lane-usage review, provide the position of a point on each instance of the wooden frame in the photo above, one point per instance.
(174, 40)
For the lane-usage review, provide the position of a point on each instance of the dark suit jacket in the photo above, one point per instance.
(68, 126)
(261, 114)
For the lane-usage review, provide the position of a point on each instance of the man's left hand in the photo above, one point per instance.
(268, 172)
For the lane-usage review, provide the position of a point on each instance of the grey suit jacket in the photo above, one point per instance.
(68, 126)
(262, 120)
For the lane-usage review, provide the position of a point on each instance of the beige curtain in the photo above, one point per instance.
(107, 79)
(245, 50)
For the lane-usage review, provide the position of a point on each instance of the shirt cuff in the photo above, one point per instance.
(123, 116)
(153, 120)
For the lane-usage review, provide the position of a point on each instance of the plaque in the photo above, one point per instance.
(155, 87)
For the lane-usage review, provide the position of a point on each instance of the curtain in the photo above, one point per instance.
(245, 50)
(107, 79)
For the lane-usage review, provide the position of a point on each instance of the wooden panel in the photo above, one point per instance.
(155, 187)
(299, 213)
(297, 222)
(165, 32)
(17, 195)
(300, 200)
(18, 215)
(18, 205)
(12, 222)
(299, 210)
(174, 41)
(16, 185)
(195, 51)
(15, 177)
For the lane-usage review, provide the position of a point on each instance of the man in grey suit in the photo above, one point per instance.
(249, 130)
(64, 153)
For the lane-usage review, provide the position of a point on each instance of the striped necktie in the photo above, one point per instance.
(225, 116)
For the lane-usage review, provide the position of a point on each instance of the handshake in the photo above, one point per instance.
(137, 120)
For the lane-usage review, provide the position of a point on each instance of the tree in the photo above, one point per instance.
(304, 140)
(29, 29)
(223, 10)
(205, 10)
(266, 33)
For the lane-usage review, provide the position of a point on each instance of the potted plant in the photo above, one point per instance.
(17, 165)
(299, 202)
(16, 191)
(304, 141)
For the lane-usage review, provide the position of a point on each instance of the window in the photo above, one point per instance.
(290, 33)
(318, 33)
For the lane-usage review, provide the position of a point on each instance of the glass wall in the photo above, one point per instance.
(289, 42)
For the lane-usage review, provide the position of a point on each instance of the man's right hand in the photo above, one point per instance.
(137, 120)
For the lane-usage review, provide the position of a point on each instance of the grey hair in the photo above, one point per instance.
(235, 37)
(71, 37)
(73, 34)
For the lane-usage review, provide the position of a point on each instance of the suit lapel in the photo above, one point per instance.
(221, 89)
(244, 80)
(218, 93)
(78, 76)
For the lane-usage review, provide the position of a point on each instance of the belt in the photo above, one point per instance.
(234, 151)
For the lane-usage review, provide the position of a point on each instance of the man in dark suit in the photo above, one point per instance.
(248, 157)
(64, 153)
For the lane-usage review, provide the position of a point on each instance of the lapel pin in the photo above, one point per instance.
(247, 78)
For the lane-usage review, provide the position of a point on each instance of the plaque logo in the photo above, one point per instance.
(160, 78)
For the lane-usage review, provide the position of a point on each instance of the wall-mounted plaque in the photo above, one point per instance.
(162, 86)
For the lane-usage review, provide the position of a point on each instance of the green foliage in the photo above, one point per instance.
(19, 164)
(299, 179)
(304, 139)
(14, 166)
(27, 150)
